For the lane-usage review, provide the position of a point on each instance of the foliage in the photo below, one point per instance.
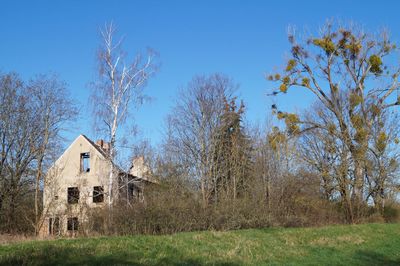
(349, 137)
(232, 154)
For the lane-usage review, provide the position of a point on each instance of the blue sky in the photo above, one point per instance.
(242, 39)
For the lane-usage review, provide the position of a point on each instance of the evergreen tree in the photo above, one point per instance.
(231, 154)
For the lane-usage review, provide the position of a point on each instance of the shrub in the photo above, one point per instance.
(391, 213)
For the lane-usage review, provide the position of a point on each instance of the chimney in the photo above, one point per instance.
(139, 168)
(103, 145)
(100, 142)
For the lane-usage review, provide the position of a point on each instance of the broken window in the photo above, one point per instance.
(72, 224)
(73, 195)
(134, 193)
(54, 226)
(131, 191)
(85, 162)
(98, 194)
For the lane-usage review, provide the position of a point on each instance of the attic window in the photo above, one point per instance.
(98, 194)
(85, 162)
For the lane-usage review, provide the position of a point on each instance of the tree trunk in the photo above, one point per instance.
(357, 189)
(37, 189)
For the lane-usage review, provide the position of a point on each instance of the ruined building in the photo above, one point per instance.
(78, 182)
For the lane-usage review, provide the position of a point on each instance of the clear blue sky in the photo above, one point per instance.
(243, 39)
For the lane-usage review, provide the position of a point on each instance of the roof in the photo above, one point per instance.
(106, 156)
(137, 178)
(100, 150)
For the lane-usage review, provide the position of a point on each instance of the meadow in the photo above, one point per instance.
(366, 244)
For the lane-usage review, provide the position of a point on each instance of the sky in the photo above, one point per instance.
(242, 39)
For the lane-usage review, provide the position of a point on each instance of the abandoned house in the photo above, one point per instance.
(78, 182)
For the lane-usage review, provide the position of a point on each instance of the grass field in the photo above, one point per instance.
(368, 244)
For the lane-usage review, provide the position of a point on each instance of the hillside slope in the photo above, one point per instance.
(368, 244)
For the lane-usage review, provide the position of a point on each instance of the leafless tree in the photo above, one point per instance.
(54, 109)
(117, 90)
(266, 164)
(16, 152)
(32, 116)
(193, 125)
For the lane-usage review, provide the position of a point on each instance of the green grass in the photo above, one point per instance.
(368, 244)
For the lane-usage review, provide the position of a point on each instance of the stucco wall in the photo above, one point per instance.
(67, 173)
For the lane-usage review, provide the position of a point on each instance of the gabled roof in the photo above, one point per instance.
(103, 153)
(97, 148)
(100, 150)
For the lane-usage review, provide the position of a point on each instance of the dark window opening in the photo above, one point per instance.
(72, 224)
(56, 197)
(54, 226)
(73, 195)
(85, 162)
(98, 194)
(134, 193)
(131, 191)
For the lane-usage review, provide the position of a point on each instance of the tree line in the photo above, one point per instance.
(337, 161)
(33, 116)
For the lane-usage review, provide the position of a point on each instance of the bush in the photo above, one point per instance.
(391, 213)
(167, 212)
(374, 218)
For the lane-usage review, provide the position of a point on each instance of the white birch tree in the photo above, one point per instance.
(117, 89)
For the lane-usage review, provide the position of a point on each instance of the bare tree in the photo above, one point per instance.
(32, 118)
(266, 164)
(54, 109)
(117, 89)
(16, 152)
(193, 125)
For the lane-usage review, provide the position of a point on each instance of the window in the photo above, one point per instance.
(54, 226)
(73, 195)
(131, 191)
(85, 162)
(56, 197)
(135, 193)
(98, 194)
(72, 224)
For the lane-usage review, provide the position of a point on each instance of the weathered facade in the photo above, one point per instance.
(78, 182)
